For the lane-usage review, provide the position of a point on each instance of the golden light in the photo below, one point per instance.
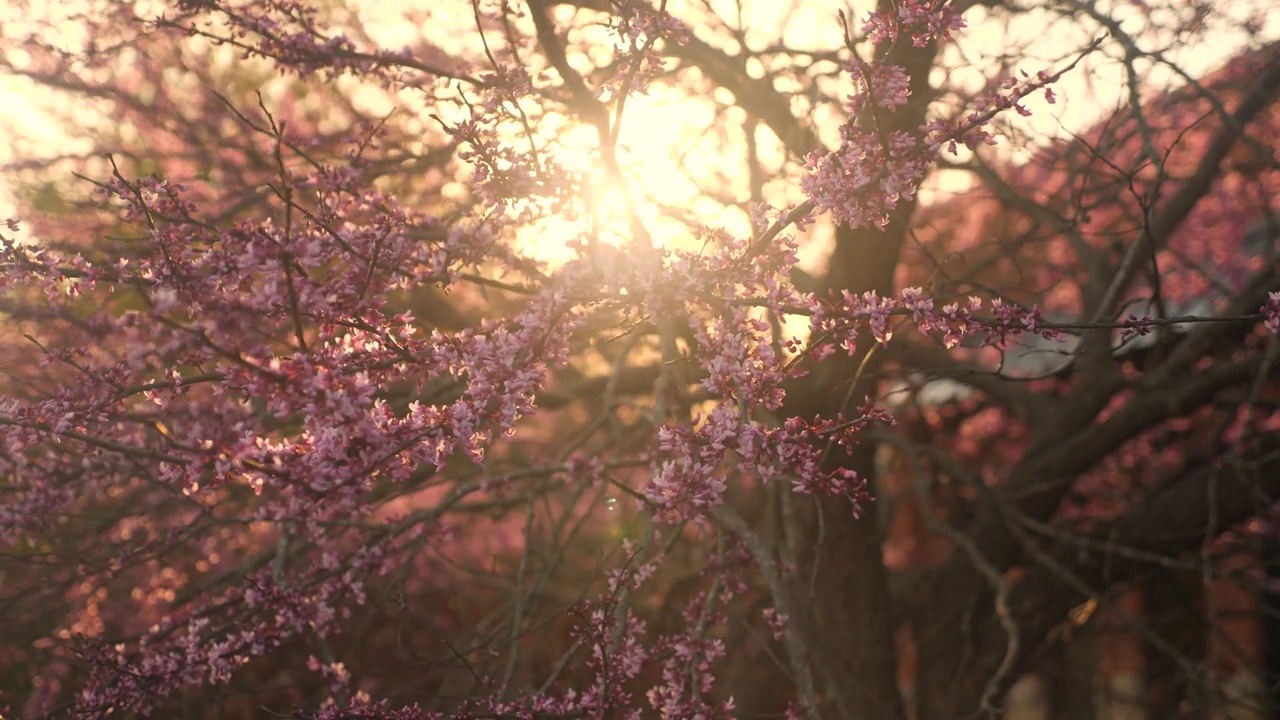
(611, 207)
(655, 131)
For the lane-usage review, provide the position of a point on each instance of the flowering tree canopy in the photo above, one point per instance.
(576, 359)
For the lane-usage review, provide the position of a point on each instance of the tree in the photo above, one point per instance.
(381, 378)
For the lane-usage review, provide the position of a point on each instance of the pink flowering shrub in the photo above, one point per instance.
(301, 421)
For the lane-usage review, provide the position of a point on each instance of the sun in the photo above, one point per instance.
(651, 179)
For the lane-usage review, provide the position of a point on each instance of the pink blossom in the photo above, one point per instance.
(1271, 313)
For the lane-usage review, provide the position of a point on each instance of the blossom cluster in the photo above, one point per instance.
(638, 24)
(840, 320)
(225, 632)
(639, 29)
(879, 164)
(1271, 313)
(863, 181)
(877, 167)
(256, 356)
(924, 21)
(287, 32)
(619, 659)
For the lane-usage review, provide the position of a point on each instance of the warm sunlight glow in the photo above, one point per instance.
(611, 207)
(655, 147)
